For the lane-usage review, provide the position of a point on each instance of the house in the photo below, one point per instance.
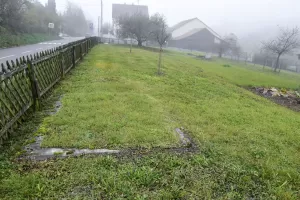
(193, 34)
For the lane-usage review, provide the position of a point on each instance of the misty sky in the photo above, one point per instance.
(245, 18)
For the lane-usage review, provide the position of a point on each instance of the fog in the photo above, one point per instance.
(252, 21)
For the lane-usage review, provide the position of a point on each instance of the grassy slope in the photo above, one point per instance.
(250, 75)
(107, 104)
(249, 146)
(10, 40)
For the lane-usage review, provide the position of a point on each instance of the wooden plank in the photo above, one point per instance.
(12, 73)
(49, 87)
(14, 119)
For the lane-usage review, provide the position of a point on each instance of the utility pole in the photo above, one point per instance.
(101, 32)
(98, 26)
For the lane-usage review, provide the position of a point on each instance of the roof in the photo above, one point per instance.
(193, 31)
(128, 9)
(180, 24)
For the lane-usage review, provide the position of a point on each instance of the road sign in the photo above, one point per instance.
(91, 26)
(51, 25)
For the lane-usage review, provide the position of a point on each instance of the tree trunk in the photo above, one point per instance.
(265, 63)
(159, 61)
(140, 43)
(277, 63)
(130, 45)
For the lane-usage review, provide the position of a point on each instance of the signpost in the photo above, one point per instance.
(91, 25)
(91, 29)
(50, 26)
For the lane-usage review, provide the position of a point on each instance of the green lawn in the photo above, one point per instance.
(251, 75)
(249, 146)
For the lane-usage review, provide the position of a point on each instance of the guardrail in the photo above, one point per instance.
(25, 81)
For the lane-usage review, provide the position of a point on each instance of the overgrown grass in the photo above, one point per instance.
(160, 176)
(249, 145)
(11, 40)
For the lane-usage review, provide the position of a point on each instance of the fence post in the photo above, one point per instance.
(81, 51)
(74, 56)
(62, 64)
(34, 85)
(87, 46)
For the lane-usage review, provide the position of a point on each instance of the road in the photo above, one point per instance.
(17, 52)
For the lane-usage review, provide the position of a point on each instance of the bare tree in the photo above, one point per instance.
(225, 45)
(135, 26)
(246, 57)
(285, 43)
(107, 28)
(266, 55)
(159, 34)
(237, 52)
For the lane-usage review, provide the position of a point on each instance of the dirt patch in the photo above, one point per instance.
(105, 66)
(35, 152)
(289, 99)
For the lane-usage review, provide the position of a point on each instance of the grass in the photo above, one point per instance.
(11, 40)
(158, 176)
(248, 145)
(250, 75)
(112, 109)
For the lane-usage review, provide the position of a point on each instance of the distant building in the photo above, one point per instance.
(297, 53)
(119, 10)
(195, 35)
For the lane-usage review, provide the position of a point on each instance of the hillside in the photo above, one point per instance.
(243, 145)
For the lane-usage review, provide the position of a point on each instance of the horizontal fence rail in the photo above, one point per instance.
(25, 81)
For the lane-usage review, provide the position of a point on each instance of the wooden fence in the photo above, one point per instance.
(25, 81)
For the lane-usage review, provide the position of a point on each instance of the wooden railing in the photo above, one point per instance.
(25, 81)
